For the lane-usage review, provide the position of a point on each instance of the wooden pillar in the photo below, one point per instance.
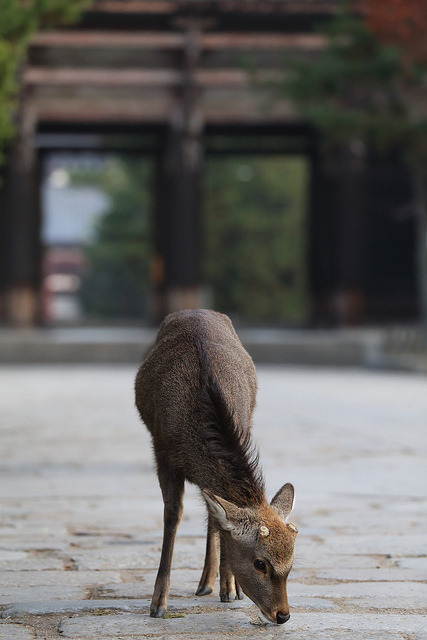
(21, 227)
(338, 237)
(321, 243)
(176, 275)
(3, 227)
(420, 194)
(349, 299)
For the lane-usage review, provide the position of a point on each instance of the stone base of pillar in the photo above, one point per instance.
(21, 306)
(2, 308)
(179, 298)
(349, 306)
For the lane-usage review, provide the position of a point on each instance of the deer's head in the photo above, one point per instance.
(260, 548)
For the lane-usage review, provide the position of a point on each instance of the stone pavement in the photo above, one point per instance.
(81, 512)
(388, 348)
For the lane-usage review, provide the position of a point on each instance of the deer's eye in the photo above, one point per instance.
(260, 565)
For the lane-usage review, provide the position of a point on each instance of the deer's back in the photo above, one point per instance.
(191, 347)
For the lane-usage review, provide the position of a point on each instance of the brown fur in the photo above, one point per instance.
(196, 393)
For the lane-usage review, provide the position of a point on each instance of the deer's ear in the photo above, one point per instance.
(283, 501)
(226, 514)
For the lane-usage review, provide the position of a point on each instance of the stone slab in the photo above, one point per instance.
(279, 633)
(30, 561)
(389, 596)
(378, 574)
(40, 593)
(184, 583)
(303, 603)
(378, 623)
(218, 624)
(416, 591)
(86, 497)
(417, 563)
(239, 624)
(190, 556)
(15, 632)
(24, 579)
(11, 555)
(381, 544)
(46, 607)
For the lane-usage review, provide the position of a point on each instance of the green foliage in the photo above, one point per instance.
(359, 88)
(50, 13)
(18, 21)
(8, 89)
(116, 281)
(255, 237)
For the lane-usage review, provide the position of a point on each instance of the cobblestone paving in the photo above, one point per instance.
(81, 512)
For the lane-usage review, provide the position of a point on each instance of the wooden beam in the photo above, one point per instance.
(107, 39)
(122, 112)
(280, 6)
(134, 6)
(221, 78)
(263, 41)
(222, 6)
(230, 108)
(147, 40)
(65, 76)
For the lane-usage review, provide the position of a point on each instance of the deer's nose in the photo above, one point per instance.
(281, 618)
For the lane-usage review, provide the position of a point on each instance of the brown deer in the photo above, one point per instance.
(196, 392)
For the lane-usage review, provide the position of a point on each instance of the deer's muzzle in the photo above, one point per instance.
(281, 618)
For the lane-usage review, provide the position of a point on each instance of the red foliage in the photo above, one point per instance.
(399, 22)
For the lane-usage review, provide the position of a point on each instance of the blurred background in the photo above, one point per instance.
(263, 158)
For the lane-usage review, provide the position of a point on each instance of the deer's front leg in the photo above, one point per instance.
(172, 491)
(210, 570)
(229, 589)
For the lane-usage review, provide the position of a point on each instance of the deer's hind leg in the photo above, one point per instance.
(210, 569)
(229, 589)
(172, 487)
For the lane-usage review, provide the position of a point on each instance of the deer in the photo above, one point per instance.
(196, 392)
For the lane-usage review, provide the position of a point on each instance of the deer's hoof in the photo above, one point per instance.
(239, 592)
(204, 590)
(157, 612)
(227, 597)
